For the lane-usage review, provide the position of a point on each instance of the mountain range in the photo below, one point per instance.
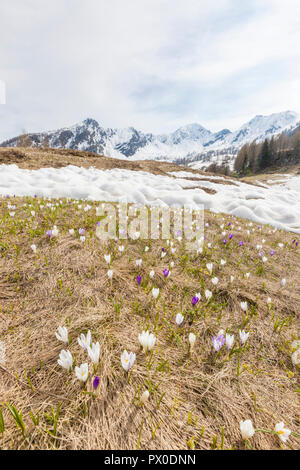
(191, 142)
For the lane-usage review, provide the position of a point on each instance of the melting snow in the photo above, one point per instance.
(277, 205)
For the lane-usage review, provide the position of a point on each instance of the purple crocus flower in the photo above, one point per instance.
(225, 241)
(96, 382)
(166, 272)
(229, 223)
(272, 252)
(218, 342)
(297, 243)
(139, 279)
(81, 231)
(241, 243)
(178, 233)
(230, 236)
(195, 300)
(49, 233)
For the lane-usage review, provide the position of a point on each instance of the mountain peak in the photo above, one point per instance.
(90, 122)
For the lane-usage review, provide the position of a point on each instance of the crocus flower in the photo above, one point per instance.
(145, 396)
(71, 231)
(247, 429)
(151, 274)
(272, 252)
(94, 352)
(208, 294)
(155, 292)
(296, 357)
(107, 259)
(65, 359)
(49, 233)
(179, 319)
(62, 334)
(209, 267)
(147, 340)
(192, 340)
(81, 231)
(230, 236)
(215, 281)
(166, 272)
(282, 432)
(33, 247)
(283, 282)
(82, 372)
(241, 243)
(229, 340)
(96, 382)
(139, 279)
(54, 231)
(82, 238)
(195, 300)
(127, 360)
(110, 273)
(218, 342)
(85, 341)
(139, 262)
(243, 336)
(244, 306)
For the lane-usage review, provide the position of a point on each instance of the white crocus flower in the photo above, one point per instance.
(139, 262)
(71, 231)
(209, 267)
(222, 262)
(65, 359)
(82, 372)
(85, 341)
(127, 360)
(94, 352)
(283, 282)
(147, 340)
(208, 294)
(151, 274)
(121, 249)
(296, 357)
(145, 396)
(179, 319)
(33, 247)
(243, 336)
(82, 238)
(247, 275)
(282, 432)
(215, 281)
(247, 429)
(62, 334)
(229, 340)
(155, 292)
(269, 300)
(146, 249)
(244, 306)
(54, 231)
(231, 278)
(192, 340)
(110, 273)
(107, 259)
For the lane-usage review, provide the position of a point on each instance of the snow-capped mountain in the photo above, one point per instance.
(186, 142)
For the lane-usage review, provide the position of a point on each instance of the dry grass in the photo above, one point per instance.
(195, 402)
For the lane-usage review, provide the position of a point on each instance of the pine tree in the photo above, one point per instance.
(265, 159)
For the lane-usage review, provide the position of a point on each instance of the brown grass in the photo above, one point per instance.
(194, 399)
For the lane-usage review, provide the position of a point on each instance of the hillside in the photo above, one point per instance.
(54, 273)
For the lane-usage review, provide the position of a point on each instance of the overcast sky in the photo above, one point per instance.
(152, 64)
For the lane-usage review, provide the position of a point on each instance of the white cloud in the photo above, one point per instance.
(153, 64)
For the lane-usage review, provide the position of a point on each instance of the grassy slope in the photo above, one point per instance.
(194, 400)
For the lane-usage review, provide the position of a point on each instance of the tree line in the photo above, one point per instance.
(278, 151)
